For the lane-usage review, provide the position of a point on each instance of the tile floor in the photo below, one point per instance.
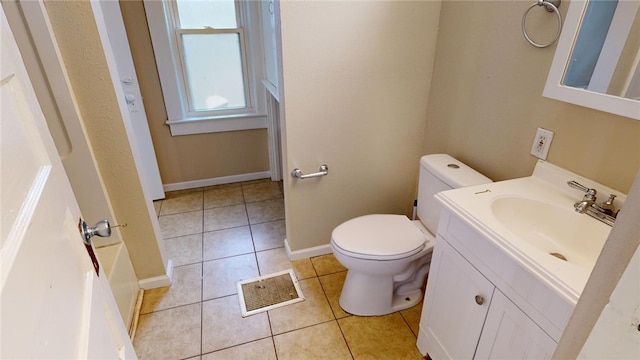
(219, 235)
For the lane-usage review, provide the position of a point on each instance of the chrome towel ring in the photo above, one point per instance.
(550, 6)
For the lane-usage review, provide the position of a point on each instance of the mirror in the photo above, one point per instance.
(597, 68)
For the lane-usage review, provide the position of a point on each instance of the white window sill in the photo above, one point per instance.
(217, 124)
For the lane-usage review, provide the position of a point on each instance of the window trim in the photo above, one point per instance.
(173, 84)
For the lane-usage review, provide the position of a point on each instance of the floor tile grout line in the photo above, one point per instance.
(202, 281)
(303, 327)
(263, 200)
(183, 235)
(275, 349)
(179, 236)
(172, 307)
(345, 339)
(178, 213)
(239, 254)
(333, 272)
(240, 226)
(327, 297)
(407, 323)
(272, 335)
(201, 326)
(232, 256)
(203, 220)
(236, 345)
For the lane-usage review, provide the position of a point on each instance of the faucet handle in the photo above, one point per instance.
(591, 193)
(607, 206)
(609, 201)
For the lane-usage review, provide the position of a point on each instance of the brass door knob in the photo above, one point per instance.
(479, 300)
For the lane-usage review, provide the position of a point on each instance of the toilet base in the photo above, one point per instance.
(401, 302)
(367, 295)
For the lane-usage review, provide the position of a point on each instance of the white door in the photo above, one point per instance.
(52, 303)
(49, 77)
(108, 12)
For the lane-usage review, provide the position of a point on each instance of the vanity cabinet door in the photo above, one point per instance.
(510, 334)
(456, 304)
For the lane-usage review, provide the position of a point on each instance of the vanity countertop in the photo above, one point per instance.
(529, 218)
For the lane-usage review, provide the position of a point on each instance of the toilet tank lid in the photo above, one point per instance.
(379, 235)
(452, 171)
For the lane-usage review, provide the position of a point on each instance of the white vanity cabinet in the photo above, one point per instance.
(509, 334)
(471, 312)
(457, 299)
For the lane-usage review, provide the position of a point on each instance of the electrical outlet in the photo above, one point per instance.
(541, 143)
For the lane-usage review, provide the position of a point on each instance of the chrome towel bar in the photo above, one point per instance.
(322, 171)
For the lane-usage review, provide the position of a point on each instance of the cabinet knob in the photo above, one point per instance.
(479, 300)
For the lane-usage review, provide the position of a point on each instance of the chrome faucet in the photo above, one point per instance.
(604, 212)
(588, 199)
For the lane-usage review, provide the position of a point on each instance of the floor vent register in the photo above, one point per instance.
(268, 292)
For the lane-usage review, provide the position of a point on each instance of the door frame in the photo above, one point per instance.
(116, 46)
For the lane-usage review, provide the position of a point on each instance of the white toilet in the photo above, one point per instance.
(388, 256)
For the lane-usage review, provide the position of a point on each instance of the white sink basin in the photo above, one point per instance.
(559, 232)
(533, 217)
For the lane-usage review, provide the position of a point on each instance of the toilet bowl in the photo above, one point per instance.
(387, 255)
(387, 267)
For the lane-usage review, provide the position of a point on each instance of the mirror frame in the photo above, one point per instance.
(554, 88)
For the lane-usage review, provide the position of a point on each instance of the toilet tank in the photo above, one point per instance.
(439, 172)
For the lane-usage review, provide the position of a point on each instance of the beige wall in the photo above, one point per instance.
(486, 101)
(77, 35)
(356, 80)
(188, 157)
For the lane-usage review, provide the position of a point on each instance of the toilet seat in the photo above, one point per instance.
(379, 237)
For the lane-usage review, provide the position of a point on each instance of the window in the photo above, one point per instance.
(208, 58)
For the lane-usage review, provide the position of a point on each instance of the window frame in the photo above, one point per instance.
(165, 34)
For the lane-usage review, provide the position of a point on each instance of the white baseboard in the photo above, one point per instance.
(217, 181)
(136, 315)
(307, 252)
(158, 281)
